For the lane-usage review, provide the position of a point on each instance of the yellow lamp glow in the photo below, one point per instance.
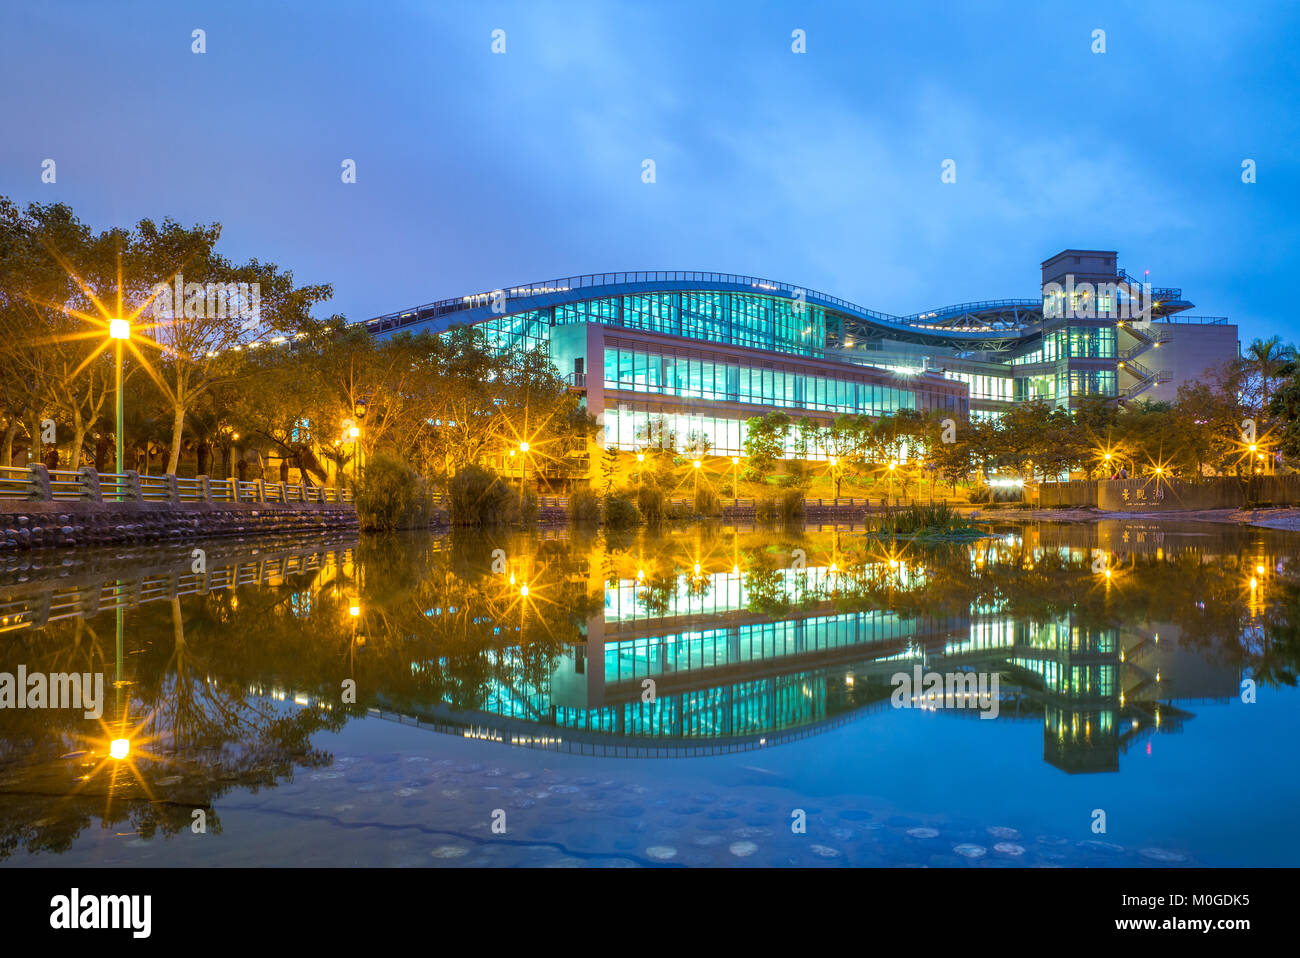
(119, 748)
(523, 591)
(735, 460)
(354, 610)
(354, 432)
(119, 328)
(696, 463)
(523, 447)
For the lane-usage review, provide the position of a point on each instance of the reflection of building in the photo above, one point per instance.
(680, 353)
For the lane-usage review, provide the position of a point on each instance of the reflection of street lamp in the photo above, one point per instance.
(119, 748)
(640, 459)
(120, 331)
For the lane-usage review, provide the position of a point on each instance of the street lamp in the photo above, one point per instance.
(696, 473)
(735, 481)
(120, 331)
(523, 472)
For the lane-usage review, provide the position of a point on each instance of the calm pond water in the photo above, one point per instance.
(693, 696)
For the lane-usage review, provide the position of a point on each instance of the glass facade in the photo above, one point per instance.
(668, 372)
(737, 319)
(984, 387)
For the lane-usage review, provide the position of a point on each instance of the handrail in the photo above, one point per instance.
(36, 483)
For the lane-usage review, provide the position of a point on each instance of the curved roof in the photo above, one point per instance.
(987, 323)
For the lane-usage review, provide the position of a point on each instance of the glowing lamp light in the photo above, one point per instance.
(119, 328)
(1254, 583)
(354, 610)
(735, 570)
(523, 591)
(697, 568)
(1252, 447)
(1259, 569)
(119, 748)
(523, 447)
(640, 457)
(1107, 573)
(696, 463)
(353, 432)
(735, 460)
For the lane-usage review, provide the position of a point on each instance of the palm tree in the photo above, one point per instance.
(1268, 359)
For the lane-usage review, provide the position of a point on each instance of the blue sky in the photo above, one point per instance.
(477, 170)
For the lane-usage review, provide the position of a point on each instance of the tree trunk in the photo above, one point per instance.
(203, 453)
(7, 444)
(178, 427)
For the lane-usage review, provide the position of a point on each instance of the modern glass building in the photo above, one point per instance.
(694, 355)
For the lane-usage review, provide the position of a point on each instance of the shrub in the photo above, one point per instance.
(788, 480)
(391, 495)
(766, 509)
(584, 505)
(707, 502)
(526, 507)
(479, 497)
(621, 512)
(980, 493)
(792, 504)
(652, 503)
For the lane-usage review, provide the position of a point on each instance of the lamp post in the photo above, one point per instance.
(523, 472)
(735, 481)
(695, 471)
(120, 331)
(354, 433)
(640, 459)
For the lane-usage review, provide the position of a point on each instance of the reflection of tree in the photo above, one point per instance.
(436, 625)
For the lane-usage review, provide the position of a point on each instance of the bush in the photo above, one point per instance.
(479, 497)
(584, 505)
(526, 507)
(706, 502)
(621, 512)
(391, 495)
(980, 493)
(792, 504)
(652, 503)
(788, 480)
(788, 506)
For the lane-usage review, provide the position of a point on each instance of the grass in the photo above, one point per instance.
(933, 520)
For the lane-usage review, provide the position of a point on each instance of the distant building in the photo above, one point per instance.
(696, 354)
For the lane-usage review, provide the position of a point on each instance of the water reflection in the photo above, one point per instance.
(694, 641)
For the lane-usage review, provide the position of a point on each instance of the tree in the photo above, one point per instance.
(1265, 360)
(765, 438)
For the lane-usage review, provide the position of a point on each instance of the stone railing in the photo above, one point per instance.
(35, 483)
